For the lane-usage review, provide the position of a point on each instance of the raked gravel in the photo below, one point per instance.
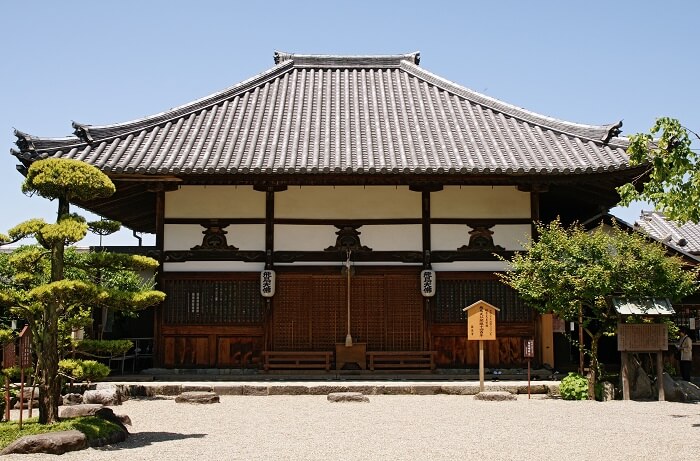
(401, 427)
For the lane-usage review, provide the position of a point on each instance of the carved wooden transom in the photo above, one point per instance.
(214, 238)
(348, 239)
(481, 239)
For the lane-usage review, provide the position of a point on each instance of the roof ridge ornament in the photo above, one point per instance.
(280, 57)
(613, 132)
(24, 141)
(82, 131)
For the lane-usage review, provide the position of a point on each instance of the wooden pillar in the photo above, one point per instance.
(425, 190)
(546, 339)
(535, 210)
(158, 358)
(269, 228)
(269, 190)
(625, 376)
(660, 375)
(425, 230)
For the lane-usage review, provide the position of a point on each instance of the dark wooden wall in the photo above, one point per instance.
(220, 320)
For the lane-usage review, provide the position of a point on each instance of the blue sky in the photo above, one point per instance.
(99, 62)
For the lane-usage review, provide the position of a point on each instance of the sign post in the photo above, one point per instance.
(25, 360)
(9, 359)
(528, 353)
(481, 325)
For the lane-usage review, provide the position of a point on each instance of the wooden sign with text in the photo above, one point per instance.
(481, 321)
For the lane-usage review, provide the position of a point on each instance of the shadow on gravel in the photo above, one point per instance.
(143, 439)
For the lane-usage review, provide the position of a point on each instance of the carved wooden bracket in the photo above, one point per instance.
(348, 239)
(214, 238)
(481, 239)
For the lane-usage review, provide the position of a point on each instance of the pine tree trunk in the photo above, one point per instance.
(50, 385)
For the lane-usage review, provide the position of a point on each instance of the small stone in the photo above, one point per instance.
(84, 409)
(495, 396)
(347, 397)
(25, 404)
(72, 399)
(105, 396)
(608, 391)
(197, 397)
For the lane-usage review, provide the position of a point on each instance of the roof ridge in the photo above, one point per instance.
(598, 133)
(338, 60)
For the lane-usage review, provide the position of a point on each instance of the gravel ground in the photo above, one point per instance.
(401, 427)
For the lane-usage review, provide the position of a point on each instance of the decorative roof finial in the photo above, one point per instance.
(613, 131)
(24, 142)
(82, 131)
(280, 57)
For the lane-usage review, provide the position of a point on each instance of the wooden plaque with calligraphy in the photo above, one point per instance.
(481, 321)
(25, 348)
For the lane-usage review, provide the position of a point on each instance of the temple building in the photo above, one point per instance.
(343, 201)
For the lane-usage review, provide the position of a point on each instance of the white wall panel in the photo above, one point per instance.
(186, 236)
(512, 237)
(480, 202)
(213, 266)
(470, 266)
(452, 236)
(392, 237)
(304, 238)
(348, 202)
(215, 202)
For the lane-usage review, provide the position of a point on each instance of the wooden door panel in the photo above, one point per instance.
(186, 351)
(239, 351)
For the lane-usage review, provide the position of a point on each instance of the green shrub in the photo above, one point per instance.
(83, 370)
(104, 347)
(15, 372)
(574, 387)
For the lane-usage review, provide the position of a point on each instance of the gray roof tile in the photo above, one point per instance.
(344, 114)
(684, 237)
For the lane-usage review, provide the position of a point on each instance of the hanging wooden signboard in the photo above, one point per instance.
(481, 321)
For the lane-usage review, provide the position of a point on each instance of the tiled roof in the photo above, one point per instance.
(341, 114)
(685, 237)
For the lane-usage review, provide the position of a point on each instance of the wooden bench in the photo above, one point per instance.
(285, 360)
(401, 360)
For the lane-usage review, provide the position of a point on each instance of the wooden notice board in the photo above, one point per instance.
(481, 321)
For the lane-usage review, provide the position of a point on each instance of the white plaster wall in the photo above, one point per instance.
(303, 238)
(348, 202)
(452, 236)
(392, 238)
(215, 202)
(186, 236)
(378, 238)
(213, 266)
(471, 266)
(480, 202)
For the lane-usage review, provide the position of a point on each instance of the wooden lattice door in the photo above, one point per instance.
(310, 311)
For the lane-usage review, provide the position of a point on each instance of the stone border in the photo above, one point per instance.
(171, 390)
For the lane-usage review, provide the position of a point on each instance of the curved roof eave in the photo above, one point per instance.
(596, 133)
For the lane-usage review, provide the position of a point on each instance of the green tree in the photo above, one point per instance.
(672, 180)
(572, 272)
(38, 290)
